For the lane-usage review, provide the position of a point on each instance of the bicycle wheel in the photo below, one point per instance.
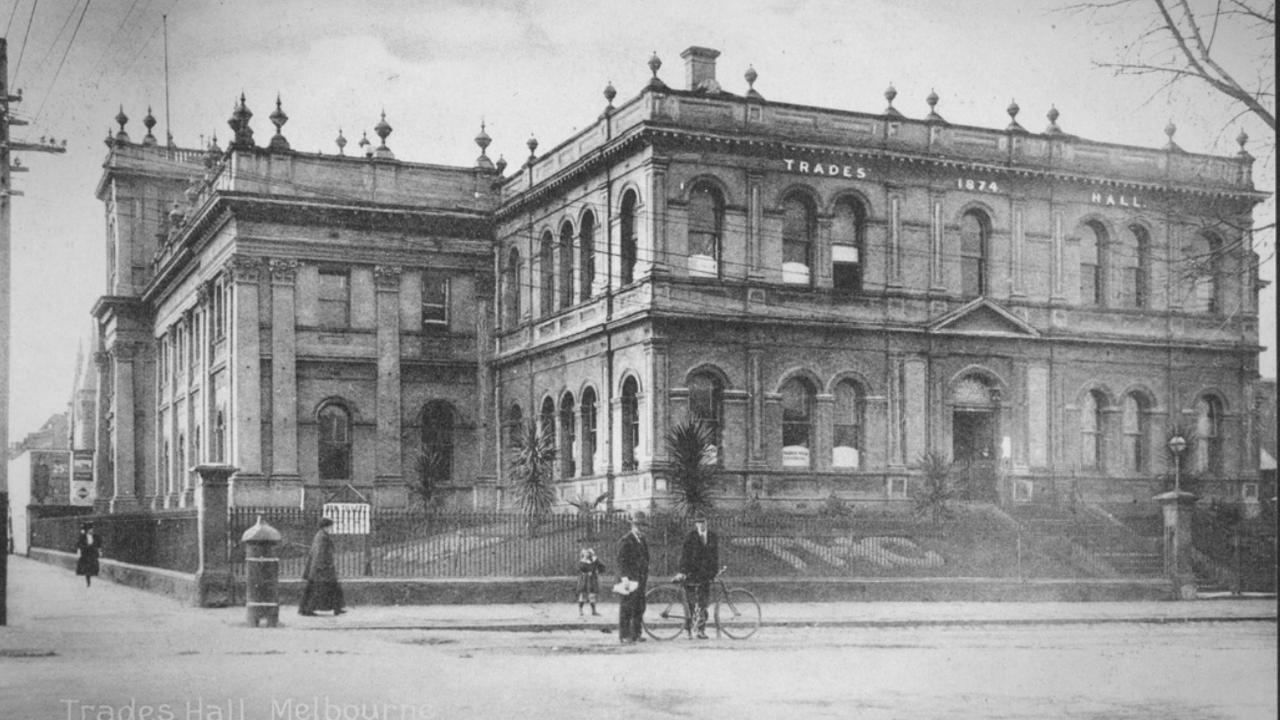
(664, 612)
(738, 614)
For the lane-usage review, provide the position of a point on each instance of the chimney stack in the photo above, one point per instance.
(700, 69)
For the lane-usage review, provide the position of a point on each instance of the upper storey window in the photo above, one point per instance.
(1135, 259)
(706, 225)
(547, 274)
(435, 300)
(799, 226)
(587, 256)
(1201, 268)
(335, 298)
(846, 246)
(974, 233)
(627, 250)
(1093, 253)
(511, 288)
(566, 265)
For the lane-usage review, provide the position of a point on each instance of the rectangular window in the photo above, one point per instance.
(435, 300)
(846, 273)
(335, 298)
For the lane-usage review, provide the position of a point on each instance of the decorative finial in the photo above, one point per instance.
(750, 76)
(890, 94)
(175, 215)
(483, 162)
(383, 129)
(610, 93)
(1013, 111)
(532, 143)
(239, 122)
(341, 142)
(1169, 130)
(122, 137)
(278, 118)
(109, 140)
(149, 122)
(655, 62)
(1241, 139)
(365, 145)
(501, 165)
(193, 191)
(1053, 128)
(932, 100)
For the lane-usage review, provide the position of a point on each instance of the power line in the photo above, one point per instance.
(65, 53)
(18, 66)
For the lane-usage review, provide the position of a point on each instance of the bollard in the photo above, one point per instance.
(262, 573)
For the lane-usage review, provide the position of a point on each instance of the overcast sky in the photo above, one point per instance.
(438, 68)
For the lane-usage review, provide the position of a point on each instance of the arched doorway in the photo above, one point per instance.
(975, 433)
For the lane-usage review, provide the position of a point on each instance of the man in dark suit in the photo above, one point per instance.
(699, 564)
(633, 567)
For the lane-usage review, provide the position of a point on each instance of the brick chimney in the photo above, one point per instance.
(700, 68)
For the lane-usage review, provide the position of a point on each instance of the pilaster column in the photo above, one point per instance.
(284, 367)
(657, 360)
(755, 414)
(937, 280)
(387, 463)
(1056, 268)
(824, 419)
(1016, 261)
(755, 219)
(103, 461)
(124, 459)
(894, 274)
(246, 368)
(658, 218)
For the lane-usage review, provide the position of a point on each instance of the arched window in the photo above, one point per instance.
(847, 429)
(1208, 435)
(587, 255)
(220, 435)
(437, 436)
(1135, 261)
(630, 423)
(1202, 270)
(706, 224)
(1093, 270)
(566, 265)
(1135, 428)
(1092, 434)
(797, 423)
(799, 225)
(706, 405)
(588, 432)
(547, 274)
(568, 467)
(627, 251)
(334, 457)
(547, 419)
(511, 288)
(974, 231)
(846, 246)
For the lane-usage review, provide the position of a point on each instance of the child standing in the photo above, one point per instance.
(589, 569)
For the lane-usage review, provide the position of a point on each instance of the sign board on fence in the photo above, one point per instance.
(348, 518)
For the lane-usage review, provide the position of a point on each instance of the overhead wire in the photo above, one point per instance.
(66, 51)
(25, 36)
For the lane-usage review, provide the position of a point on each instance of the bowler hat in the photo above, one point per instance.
(699, 517)
(326, 522)
(640, 518)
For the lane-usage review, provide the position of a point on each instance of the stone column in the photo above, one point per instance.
(1056, 269)
(246, 370)
(894, 254)
(755, 415)
(284, 370)
(661, 264)
(1016, 251)
(659, 417)
(755, 218)
(937, 279)
(214, 581)
(1178, 506)
(124, 459)
(103, 462)
(389, 479)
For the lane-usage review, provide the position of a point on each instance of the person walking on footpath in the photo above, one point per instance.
(89, 549)
(633, 569)
(699, 563)
(322, 591)
(589, 569)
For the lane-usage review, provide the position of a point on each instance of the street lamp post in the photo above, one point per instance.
(1177, 444)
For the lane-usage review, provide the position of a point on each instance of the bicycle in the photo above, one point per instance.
(736, 611)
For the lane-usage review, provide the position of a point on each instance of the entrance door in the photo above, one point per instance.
(973, 435)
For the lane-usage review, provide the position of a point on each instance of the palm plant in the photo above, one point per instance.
(690, 445)
(532, 464)
(432, 469)
(935, 496)
(586, 506)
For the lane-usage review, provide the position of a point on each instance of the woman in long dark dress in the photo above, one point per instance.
(322, 591)
(89, 548)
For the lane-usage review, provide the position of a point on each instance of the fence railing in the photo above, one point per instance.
(166, 539)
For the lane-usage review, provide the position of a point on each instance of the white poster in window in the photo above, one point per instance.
(702, 266)
(795, 273)
(795, 456)
(844, 457)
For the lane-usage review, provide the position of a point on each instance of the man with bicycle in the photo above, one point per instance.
(699, 564)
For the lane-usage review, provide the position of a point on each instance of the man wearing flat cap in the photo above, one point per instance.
(699, 564)
(633, 567)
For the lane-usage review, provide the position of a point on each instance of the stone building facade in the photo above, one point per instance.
(836, 293)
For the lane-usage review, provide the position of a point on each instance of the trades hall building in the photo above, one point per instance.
(835, 293)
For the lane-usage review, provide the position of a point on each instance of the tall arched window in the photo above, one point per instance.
(1092, 430)
(511, 289)
(568, 437)
(1208, 435)
(547, 419)
(334, 452)
(797, 423)
(799, 226)
(706, 405)
(1202, 270)
(587, 255)
(1093, 267)
(588, 431)
(630, 423)
(846, 245)
(566, 265)
(437, 436)
(1135, 428)
(847, 429)
(974, 232)
(627, 228)
(706, 225)
(1135, 261)
(547, 274)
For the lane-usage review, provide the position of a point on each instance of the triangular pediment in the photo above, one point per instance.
(982, 317)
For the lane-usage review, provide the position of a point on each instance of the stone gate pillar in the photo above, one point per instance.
(214, 582)
(1178, 507)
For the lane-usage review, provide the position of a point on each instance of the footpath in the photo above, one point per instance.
(49, 606)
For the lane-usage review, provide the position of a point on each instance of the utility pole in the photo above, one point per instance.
(6, 191)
